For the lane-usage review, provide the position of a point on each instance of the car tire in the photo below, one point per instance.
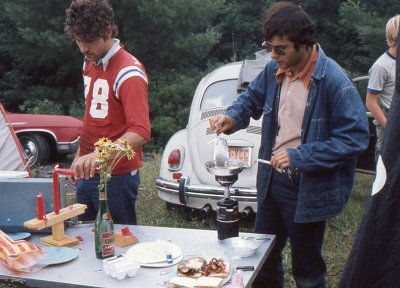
(35, 147)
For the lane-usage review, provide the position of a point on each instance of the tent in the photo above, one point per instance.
(12, 159)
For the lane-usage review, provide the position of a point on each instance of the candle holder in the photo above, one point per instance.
(56, 219)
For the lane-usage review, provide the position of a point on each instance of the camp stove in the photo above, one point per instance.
(227, 209)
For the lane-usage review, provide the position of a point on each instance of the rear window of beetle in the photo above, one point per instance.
(219, 94)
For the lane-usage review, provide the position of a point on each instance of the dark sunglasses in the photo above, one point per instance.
(278, 50)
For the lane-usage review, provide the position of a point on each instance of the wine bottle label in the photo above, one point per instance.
(108, 243)
(106, 216)
(102, 196)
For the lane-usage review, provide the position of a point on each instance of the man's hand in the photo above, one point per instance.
(221, 123)
(84, 167)
(72, 179)
(280, 160)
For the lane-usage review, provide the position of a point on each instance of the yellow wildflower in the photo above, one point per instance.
(104, 147)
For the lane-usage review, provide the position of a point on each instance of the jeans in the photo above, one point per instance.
(275, 216)
(122, 191)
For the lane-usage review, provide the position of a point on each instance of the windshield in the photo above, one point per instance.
(220, 94)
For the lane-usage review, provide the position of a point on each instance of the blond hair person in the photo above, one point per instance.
(381, 84)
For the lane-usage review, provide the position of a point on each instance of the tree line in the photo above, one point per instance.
(178, 41)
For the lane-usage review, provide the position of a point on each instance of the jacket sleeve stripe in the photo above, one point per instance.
(126, 73)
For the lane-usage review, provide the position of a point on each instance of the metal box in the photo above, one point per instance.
(18, 200)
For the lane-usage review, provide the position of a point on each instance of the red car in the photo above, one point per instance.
(46, 137)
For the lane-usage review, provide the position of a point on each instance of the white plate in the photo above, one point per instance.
(155, 253)
(19, 235)
(162, 264)
(58, 255)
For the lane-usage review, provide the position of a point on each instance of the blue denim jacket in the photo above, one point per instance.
(333, 133)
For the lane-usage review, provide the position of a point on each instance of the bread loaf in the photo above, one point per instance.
(208, 282)
(182, 282)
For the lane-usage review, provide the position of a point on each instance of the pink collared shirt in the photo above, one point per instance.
(292, 103)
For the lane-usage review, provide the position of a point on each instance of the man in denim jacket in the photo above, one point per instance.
(314, 127)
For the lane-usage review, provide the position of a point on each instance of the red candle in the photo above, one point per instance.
(125, 231)
(40, 207)
(57, 171)
(56, 194)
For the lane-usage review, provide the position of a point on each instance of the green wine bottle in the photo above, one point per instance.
(104, 230)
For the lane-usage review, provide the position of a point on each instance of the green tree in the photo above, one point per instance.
(363, 40)
(325, 15)
(169, 35)
(240, 26)
(44, 61)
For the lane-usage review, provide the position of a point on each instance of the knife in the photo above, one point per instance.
(245, 268)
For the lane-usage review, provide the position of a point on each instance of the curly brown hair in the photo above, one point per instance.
(89, 19)
(287, 19)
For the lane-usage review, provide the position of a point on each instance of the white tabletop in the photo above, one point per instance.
(86, 269)
(14, 174)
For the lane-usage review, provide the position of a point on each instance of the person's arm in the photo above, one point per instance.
(85, 166)
(373, 106)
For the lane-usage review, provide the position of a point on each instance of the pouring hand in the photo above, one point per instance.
(280, 160)
(221, 123)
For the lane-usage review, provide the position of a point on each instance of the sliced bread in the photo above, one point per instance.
(208, 282)
(187, 282)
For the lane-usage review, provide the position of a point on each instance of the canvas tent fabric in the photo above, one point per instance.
(12, 160)
(251, 68)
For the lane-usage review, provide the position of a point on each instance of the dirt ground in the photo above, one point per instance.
(46, 171)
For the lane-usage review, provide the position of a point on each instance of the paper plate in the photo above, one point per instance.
(162, 264)
(19, 235)
(58, 255)
(154, 254)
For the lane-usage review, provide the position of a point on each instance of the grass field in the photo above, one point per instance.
(338, 239)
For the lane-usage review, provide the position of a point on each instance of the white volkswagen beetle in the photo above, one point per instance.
(184, 179)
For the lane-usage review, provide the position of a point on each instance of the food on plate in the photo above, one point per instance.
(192, 267)
(202, 282)
(196, 273)
(217, 268)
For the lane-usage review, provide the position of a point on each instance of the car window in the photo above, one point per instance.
(361, 84)
(219, 94)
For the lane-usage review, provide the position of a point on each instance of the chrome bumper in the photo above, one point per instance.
(183, 189)
(68, 147)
